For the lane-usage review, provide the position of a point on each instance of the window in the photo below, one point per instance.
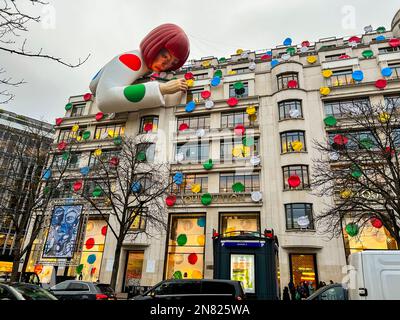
(194, 95)
(64, 190)
(241, 70)
(341, 78)
(200, 76)
(295, 211)
(396, 69)
(67, 135)
(333, 57)
(188, 181)
(299, 170)
(341, 107)
(105, 156)
(303, 267)
(290, 141)
(148, 124)
(231, 119)
(396, 137)
(284, 78)
(193, 151)
(186, 239)
(139, 222)
(90, 186)
(227, 146)
(388, 50)
(392, 101)
(109, 131)
(251, 182)
(356, 138)
(145, 152)
(61, 160)
(232, 92)
(76, 286)
(290, 109)
(195, 122)
(78, 110)
(231, 222)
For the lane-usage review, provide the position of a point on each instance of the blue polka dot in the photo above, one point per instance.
(274, 63)
(178, 178)
(190, 106)
(136, 187)
(387, 72)
(269, 53)
(84, 171)
(358, 75)
(380, 38)
(91, 259)
(47, 174)
(215, 81)
(287, 42)
(201, 222)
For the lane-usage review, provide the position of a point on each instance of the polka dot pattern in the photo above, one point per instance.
(132, 61)
(135, 93)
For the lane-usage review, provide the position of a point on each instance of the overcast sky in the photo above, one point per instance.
(103, 28)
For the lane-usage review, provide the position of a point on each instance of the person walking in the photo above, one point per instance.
(310, 288)
(292, 289)
(286, 296)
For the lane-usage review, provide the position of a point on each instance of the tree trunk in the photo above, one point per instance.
(27, 255)
(17, 258)
(117, 256)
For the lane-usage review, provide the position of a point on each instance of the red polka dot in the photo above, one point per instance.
(104, 230)
(132, 61)
(89, 243)
(87, 96)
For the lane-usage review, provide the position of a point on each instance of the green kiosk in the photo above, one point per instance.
(250, 257)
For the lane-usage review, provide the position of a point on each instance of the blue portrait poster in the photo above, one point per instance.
(63, 232)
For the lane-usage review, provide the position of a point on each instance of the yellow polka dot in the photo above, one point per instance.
(325, 91)
(311, 59)
(327, 73)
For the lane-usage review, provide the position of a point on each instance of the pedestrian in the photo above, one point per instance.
(292, 289)
(80, 276)
(298, 293)
(286, 296)
(306, 291)
(323, 284)
(310, 288)
(330, 282)
(320, 285)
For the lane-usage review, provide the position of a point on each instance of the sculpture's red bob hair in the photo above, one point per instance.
(170, 37)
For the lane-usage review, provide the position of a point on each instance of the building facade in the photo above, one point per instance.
(254, 117)
(17, 133)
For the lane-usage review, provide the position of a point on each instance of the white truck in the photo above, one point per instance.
(372, 275)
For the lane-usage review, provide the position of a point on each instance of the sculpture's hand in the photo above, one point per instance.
(173, 86)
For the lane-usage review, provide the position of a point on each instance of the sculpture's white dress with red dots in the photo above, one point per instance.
(114, 88)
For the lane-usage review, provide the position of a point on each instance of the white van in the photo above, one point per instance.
(372, 275)
(376, 275)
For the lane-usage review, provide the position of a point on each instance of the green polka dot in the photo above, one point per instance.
(135, 93)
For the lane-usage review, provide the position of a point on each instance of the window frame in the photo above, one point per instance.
(284, 104)
(308, 211)
(100, 129)
(283, 79)
(154, 121)
(232, 92)
(290, 171)
(194, 119)
(301, 135)
(237, 178)
(78, 109)
(200, 145)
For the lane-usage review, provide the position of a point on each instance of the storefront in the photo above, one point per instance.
(249, 257)
(303, 267)
(133, 269)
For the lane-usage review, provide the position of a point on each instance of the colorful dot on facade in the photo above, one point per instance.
(89, 243)
(91, 259)
(132, 61)
(135, 93)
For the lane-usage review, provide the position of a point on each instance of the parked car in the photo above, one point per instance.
(24, 291)
(193, 290)
(82, 290)
(330, 292)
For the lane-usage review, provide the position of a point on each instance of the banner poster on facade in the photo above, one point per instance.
(63, 231)
(242, 269)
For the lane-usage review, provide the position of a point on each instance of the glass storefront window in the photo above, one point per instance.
(93, 247)
(303, 267)
(369, 238)
(134, 266)
(242, 269)
(231, 222)
(186, 240)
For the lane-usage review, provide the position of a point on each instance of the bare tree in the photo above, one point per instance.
(15, 22)
(127, 189)
(359, 168)
(28, 188)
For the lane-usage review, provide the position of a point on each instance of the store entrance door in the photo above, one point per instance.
(133, 269)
